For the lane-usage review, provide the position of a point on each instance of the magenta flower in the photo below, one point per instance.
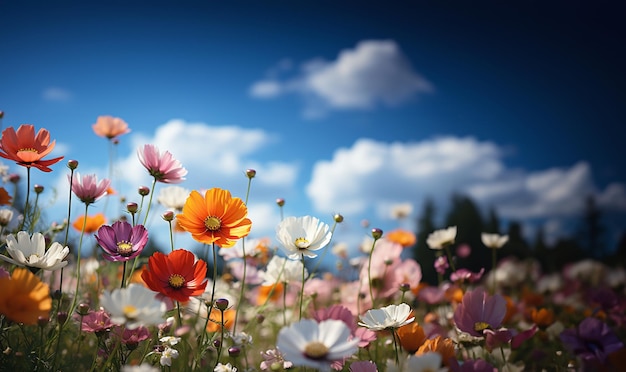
(466, 276)
(479, 311)
(132, 337)
(363, 366)
(163, 167)
(592, 341)
(121, 242)
(96, 322)
(88, 189)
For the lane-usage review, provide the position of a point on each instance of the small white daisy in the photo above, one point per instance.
(494, 241)
(31, 252)
(302, 236)
(388, 317)
(438, 239)
(133, 306)
(317, 345)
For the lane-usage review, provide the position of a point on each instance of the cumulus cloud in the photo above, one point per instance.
(371, 177)
(215, 156)
(56, 94)
(373, 73)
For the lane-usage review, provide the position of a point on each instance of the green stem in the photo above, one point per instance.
(26, 207)
(302, 288)
(494, 263)
(145, 218)
(123, 274)
(245, 264)
(369, 272)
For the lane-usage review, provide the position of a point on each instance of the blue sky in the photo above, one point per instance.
(342, 107)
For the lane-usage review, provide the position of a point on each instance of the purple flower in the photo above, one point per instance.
(478, 365)
(592, 341)
(122, 242)
(479, 311)
(441, 265)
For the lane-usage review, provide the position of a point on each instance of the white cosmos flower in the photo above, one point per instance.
(167, 355)
(6, 215)
(317, 345)
(440, 238)
(494, 241)
(31, 252)
(388, 317)
(133, 306)
(280, 269)
(302, 236)
(224, 368)
(173, 197)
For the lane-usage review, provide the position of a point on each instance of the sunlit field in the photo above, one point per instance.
(466, 296)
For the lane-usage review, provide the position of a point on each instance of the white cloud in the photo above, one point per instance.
(374, 73)
(215, 156)
(56, 94)
(370, 177)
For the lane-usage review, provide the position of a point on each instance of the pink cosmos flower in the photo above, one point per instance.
(132, 337)
(479, 311)
(122, 241)
(163, 167)
(465, 276)
(96, 322)
(87, 188)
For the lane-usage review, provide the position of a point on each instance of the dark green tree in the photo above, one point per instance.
(421, 252)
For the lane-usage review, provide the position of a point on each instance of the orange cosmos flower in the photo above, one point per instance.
(110, 127)
(177, 275)
(24, 298)
(403, 237)
(542, 317)
(5, 198)
(270, 292)
(92, 224)
(438, 344)
(26, 149)
(411, 336)
(215, 218)
(216, 319)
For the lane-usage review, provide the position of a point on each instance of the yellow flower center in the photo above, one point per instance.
(33, 258)
(125, 248)
(315, 350)
(129, 311)
(480, 326)
(302, 243)
(176, 281)
(29, 149)
(213, 223)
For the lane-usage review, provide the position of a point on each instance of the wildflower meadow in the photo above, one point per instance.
(271, 306)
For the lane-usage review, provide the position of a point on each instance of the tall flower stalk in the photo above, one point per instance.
(250, 173)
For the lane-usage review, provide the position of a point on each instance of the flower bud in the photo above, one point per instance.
(14, 178)
(43, 321)
(144, 190)
(234, 351)
(338, 218)
(221, 304)
(280, 202)
(83, 309)
(377, 233)
(168, 216)
(250, 173)
(1, 114)
(260, 318)
(56, 295)
(405, 287)
(61, 317)
(217, 343)
(38, 189)
(72, 164)
(132, 207)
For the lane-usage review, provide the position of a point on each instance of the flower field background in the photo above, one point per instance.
(460, 297)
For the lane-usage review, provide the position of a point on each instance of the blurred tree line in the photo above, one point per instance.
(588, 242)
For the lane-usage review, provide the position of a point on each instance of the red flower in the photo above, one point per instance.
(26, 149)
(177, 275)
